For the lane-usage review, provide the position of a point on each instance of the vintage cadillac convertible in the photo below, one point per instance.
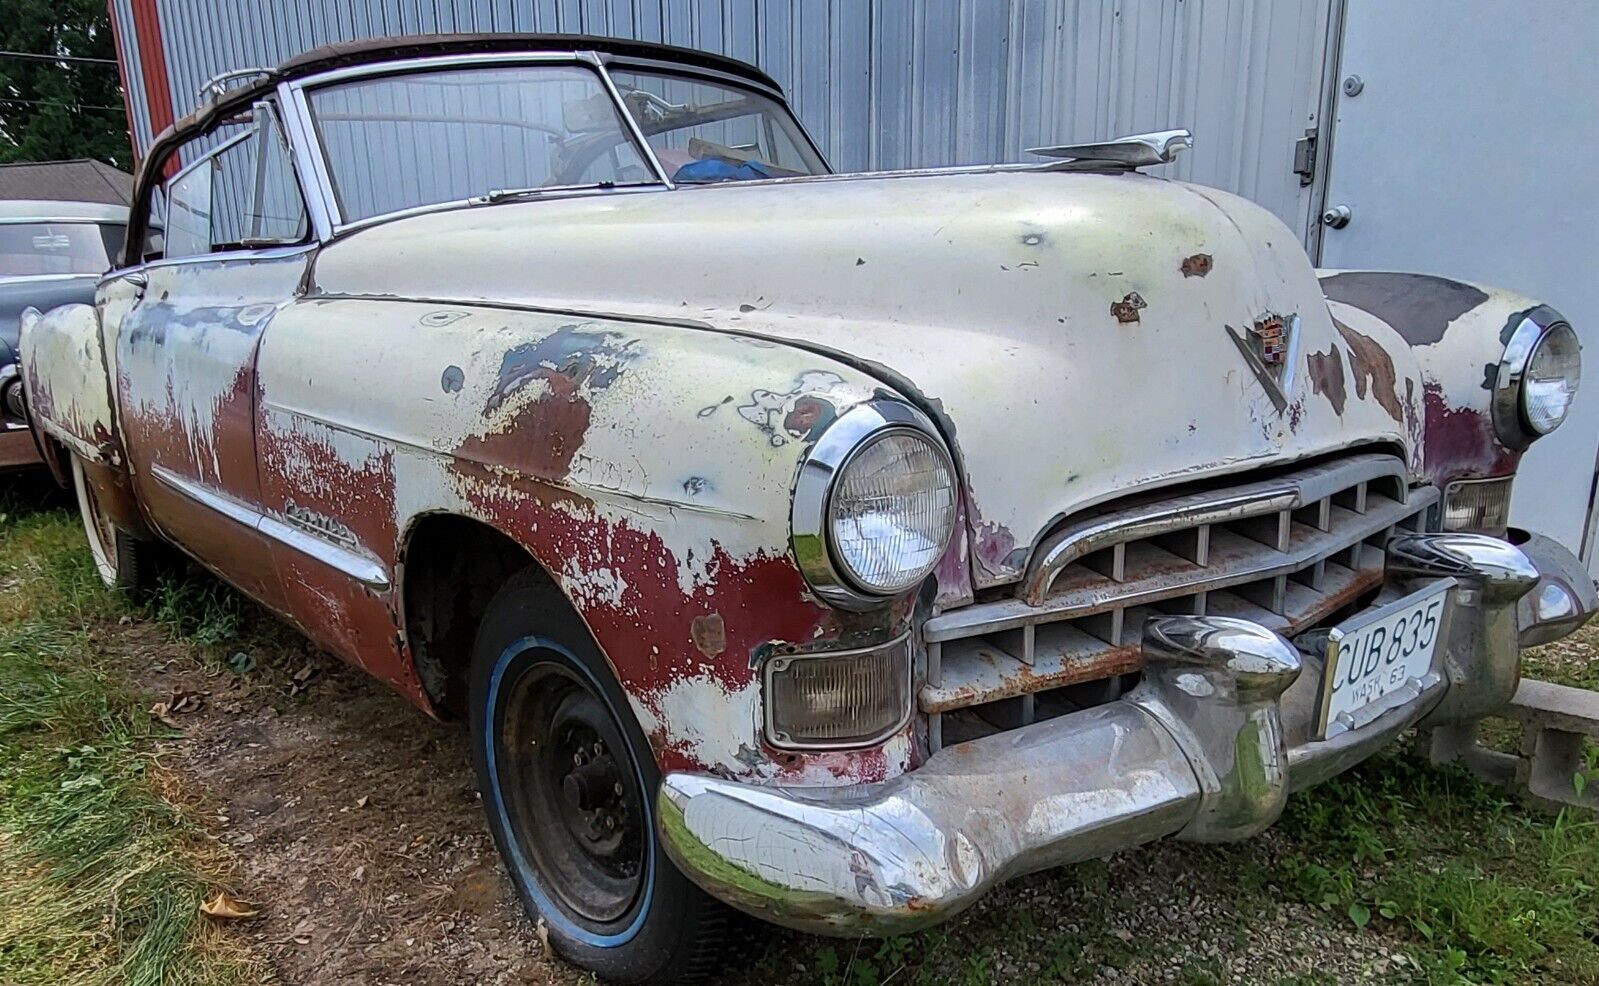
(828, 546)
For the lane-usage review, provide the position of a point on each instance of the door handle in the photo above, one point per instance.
(1337, 217)
(139, 280)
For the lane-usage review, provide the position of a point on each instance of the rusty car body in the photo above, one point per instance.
(838, 545)
(52, 253)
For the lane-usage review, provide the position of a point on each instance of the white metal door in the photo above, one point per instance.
(1470, 150)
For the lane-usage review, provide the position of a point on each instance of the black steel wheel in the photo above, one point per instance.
(568, 785)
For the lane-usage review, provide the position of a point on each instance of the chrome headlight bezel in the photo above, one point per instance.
(811, 512)
(1510, 419)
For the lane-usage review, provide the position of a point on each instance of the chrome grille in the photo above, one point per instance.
(1285, 552)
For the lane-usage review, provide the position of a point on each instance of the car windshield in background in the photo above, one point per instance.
(710, 132)
(398, 142)
(36, 249)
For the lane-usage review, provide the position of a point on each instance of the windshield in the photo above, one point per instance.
(710, 132)
(34, 249)
(397, 142)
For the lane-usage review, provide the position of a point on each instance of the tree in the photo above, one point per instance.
(53, 110)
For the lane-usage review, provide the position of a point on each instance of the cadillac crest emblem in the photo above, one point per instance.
(1270, 347)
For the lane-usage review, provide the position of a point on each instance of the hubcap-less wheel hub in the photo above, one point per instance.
(573, 794)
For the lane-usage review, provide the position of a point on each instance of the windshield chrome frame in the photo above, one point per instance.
(312, 164)
(663, 66)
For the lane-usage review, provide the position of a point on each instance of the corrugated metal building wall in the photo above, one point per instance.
(881, 84)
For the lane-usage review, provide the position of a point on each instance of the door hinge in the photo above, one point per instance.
(1305, 157)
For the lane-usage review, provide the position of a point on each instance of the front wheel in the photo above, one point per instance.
(123, 563)
(569, 786)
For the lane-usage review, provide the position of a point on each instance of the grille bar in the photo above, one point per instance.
(1286, 552)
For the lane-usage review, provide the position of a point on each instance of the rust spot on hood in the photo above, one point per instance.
(1126, 310)
(1197, 265)
(1327, 377)
(1373, 369)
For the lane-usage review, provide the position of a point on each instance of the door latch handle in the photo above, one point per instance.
(1337, 217)
(139, 280)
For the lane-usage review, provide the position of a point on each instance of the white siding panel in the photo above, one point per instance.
(898, 83)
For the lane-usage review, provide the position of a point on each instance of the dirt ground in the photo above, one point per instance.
(354, 821)
(355, 826)
(357, 830)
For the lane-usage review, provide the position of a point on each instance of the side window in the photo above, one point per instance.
(240, 194)
(188, 226)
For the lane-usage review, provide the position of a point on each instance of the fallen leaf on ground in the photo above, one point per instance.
(160, 712)
(302, 680)
(362, 801)
(224, 907)
(183, 701)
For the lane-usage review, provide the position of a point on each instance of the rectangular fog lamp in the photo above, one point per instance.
(843, 699)
(1480, 505)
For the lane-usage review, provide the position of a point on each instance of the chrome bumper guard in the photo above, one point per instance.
(1206, 748)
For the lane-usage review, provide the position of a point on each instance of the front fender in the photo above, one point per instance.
(68, 387)
(1457, 332)
(646, 466)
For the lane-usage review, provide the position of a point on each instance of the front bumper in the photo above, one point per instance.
(1206, 748)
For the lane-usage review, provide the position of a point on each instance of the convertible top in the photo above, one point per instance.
(367, 51)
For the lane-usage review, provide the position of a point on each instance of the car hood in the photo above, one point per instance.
(1077, 336)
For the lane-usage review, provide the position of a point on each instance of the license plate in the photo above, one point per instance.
(1379, 653)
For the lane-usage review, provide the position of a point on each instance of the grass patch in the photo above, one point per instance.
(104, 875)
(1479, 888)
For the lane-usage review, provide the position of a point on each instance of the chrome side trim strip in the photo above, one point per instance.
(352, 562)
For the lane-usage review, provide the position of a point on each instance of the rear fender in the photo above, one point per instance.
(1457, 332)
(68, 384)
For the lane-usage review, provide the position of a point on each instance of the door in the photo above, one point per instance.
(1468, 149)
(235, 250)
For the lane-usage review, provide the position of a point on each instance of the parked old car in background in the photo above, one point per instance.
(827, 546)
(51, 253)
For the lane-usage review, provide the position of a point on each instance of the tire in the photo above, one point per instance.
(553, 742)
(123, 563)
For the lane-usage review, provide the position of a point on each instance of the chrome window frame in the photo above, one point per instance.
(299, 124)
(309, 149)
(632, 62)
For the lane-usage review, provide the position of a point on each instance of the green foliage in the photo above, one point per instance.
(104, 875)
(201, 610)
(52, 110)
(1485, 890)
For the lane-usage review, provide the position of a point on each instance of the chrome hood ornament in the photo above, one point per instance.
(1131, 152)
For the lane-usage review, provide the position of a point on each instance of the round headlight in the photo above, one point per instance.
(1538, 377)
(892, 511)
(1553, 373)
(874, 505)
